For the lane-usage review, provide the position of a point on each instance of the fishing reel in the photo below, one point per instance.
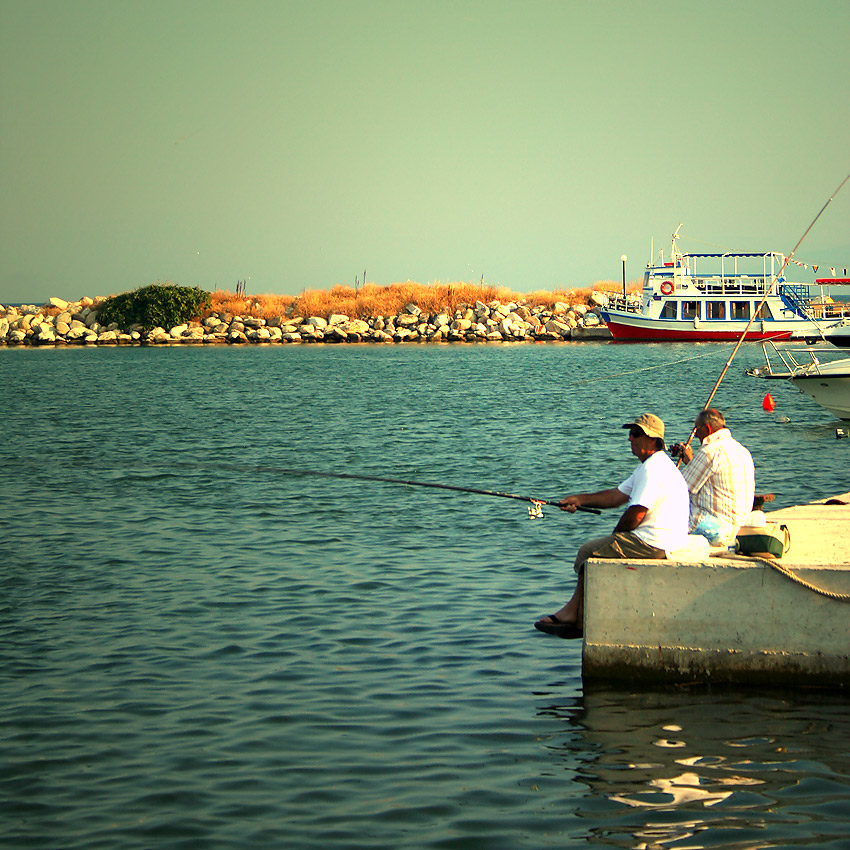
(536, 510)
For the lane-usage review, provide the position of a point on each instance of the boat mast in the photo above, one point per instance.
(674, 249)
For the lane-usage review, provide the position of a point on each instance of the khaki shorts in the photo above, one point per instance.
(621, 544)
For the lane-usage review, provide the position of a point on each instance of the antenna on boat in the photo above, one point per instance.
(674, 249)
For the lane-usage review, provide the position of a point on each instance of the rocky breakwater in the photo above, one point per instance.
(62, 323)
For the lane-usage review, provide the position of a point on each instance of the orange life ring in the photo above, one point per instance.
(667, 288)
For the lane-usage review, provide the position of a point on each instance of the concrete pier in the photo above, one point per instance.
(728, 619)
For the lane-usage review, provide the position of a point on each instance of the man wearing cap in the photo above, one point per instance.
(720, 477)
(655, 521)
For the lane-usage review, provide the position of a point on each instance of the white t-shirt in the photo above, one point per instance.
(659, 487)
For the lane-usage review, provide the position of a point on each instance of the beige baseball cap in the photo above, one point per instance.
(650, 424)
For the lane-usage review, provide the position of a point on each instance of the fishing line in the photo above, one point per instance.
(534, 511)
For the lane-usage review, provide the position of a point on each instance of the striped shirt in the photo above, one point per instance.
(721, 480)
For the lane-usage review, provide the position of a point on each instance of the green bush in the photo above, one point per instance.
(158, 305)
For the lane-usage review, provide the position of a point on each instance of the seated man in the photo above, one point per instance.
(720, 479)
(654, 522)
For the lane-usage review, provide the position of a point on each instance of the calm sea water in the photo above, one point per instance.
(203, 650)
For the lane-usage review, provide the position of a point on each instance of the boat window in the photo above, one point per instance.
(739, 309)
(715, 310)
(764, 313)
(690, 309)
(669, 310)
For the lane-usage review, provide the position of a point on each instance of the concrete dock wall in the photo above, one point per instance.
(727, 620)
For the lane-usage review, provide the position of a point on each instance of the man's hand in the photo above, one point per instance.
(682, 451)
(570, 504)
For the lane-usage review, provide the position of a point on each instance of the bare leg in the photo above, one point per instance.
(573, 611)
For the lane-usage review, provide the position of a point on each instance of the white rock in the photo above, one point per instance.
(317, 322)
(58, 302)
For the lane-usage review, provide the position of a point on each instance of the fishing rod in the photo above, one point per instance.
(532, 512)
(761, 304)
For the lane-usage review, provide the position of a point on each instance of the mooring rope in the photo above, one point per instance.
(664, 365)
(783, 570)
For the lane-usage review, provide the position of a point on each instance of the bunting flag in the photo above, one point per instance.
(815, 266)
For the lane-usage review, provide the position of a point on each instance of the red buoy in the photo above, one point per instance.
(768, 403)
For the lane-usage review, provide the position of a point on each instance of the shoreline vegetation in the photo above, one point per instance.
(399, 312)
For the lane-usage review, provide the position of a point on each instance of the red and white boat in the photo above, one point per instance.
(711, 297)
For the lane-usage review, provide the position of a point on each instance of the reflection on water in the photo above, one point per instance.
(699, 769)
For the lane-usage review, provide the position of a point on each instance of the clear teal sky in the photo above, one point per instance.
(295, 144)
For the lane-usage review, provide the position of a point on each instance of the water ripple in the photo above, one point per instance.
(200, 650)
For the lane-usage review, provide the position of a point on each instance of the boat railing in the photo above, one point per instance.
(745, 286)
(830, 310)
(794, 360)
(625, 304)
(796, 298)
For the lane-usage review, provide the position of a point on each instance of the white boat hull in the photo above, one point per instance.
(839, 335)
(828, 385)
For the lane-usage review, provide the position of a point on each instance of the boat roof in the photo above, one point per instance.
(732, 254)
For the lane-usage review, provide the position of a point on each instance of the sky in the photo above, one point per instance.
(295, 145)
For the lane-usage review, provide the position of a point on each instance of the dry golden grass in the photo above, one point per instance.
(374, 300)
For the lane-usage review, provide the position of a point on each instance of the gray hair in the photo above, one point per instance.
(711, 417)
